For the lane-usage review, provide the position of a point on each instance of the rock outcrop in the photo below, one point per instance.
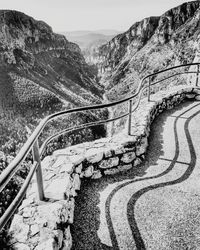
(35, 61)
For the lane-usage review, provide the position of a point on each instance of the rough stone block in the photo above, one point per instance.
(50, 215)
(197, 98)
(79, 168)
(108, 153)
(109, 163)
(67, 167)
(49, 244)
(196, 91)
(61, 160)
(190, 96)
(111, 171)
(137, 162)
(96, 174)
(56, 189)
(70, 218)
(141, 149)
(34, 229)
(19, 229)
(21, 246)
(76, 159)
(119, 150)
(76, 182)
(47, 162)
(125, 167)
(94, 155)
(59, 237)
(128, 157)
(67, 243)
(89, 171)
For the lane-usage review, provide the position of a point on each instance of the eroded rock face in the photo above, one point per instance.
(35, 61)
(149, 46)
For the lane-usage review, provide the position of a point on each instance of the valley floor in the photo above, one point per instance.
(154, 206)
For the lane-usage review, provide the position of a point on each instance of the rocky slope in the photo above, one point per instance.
(148, 46)
(41, 73)
(32, 56)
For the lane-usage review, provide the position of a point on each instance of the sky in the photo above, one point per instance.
(70, 15)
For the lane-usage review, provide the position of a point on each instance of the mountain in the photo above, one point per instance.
(148, 46)
(81, 33)
(41, 73)
(89, 41)
(86, 40)
(32, 55)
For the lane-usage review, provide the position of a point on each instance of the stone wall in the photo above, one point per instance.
(46, 225)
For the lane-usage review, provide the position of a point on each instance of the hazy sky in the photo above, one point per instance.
(66, 15)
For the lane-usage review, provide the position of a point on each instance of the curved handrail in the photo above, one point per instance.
(13, 167)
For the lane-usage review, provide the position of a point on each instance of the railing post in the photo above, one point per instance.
(36, 157)
(130, 116)
(149, 89)
(197, 76)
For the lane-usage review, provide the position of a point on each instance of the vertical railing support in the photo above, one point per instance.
(130, 116)
(197, 76)
(149, 89)
(36, 157)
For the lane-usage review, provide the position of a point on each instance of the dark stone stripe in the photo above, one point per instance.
(108, 201)
(131, 204)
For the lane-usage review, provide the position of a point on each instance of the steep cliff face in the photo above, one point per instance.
(32, 56)
(41, 73)
(150, 45)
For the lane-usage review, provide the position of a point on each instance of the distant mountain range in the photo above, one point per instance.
(88, 41)
(104, 32)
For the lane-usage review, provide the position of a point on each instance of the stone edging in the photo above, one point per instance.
(46, 225)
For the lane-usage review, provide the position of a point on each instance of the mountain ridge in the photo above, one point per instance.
(148, 46)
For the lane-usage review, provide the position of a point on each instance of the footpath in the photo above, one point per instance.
(152, 206)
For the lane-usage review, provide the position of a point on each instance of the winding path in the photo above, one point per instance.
(157, 205)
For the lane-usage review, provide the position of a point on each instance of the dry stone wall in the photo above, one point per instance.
(46, 225)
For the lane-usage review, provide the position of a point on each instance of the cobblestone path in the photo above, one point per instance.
(153, 206)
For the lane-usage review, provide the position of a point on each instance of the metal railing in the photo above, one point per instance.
(32, 143)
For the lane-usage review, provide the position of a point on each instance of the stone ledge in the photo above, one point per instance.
(46, 225)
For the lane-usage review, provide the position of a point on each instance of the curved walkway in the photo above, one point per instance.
(154, 206)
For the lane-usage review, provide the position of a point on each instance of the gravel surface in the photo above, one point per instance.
(153, 206)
